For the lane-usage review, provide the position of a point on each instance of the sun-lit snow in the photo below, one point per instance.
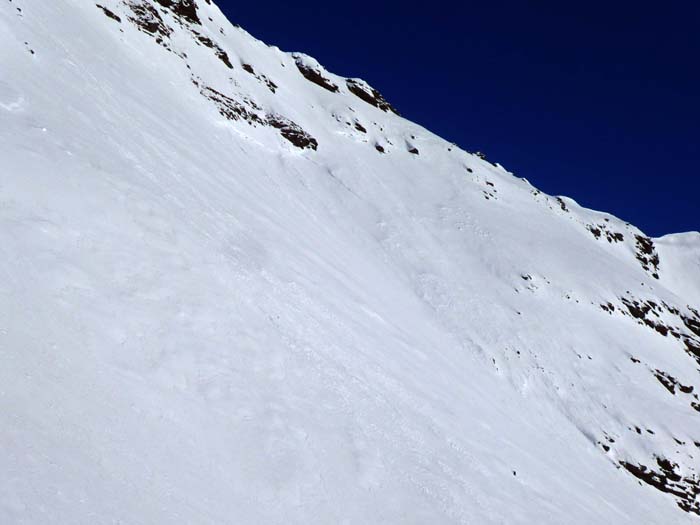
(201, 322)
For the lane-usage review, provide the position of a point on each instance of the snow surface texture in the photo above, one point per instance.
(237, 288)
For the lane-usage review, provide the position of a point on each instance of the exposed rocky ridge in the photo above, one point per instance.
(147, 17)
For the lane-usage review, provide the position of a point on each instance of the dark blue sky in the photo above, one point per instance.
(599, 102)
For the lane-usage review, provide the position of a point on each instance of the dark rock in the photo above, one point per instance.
(359, 127)
(483, 157)
(148, 20)
(109, 13)
(647, 256)
(269, 83)
(598, 230)
(692, 348)
(368, 94)
(595, 231)
(669, 382)
(315, 76)
(692, 324)
(231, 109)
(292, 132)
(262, 78)
(609, 307)
(220, 53)
(184, 9)
(667, 480)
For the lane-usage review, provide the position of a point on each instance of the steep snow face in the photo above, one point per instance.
(238, 288)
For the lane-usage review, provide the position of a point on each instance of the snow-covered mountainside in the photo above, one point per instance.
(238, 288)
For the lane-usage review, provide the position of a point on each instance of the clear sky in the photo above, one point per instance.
(596, 101)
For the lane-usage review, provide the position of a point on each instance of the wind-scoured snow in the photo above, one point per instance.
(204, 318)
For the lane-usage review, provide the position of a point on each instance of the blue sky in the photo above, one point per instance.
(596, 101)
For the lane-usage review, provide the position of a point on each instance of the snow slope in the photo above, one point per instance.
(238, 288)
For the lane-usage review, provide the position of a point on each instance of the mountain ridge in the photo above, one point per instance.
(210, 319)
